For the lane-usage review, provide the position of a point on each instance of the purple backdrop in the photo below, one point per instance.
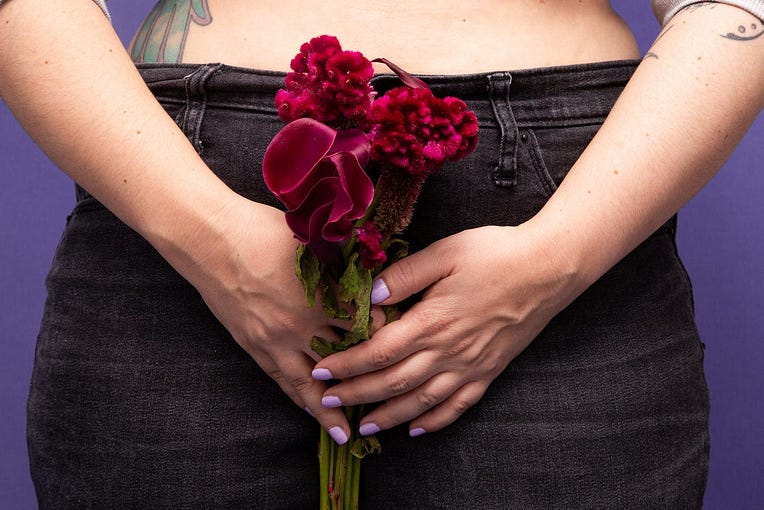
(720, 237)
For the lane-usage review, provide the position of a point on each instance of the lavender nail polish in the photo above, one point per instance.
(417, 432)
(331, 401)
(379, 291)
(307, 410)
(322, 374)
(368, 429)
(338, 435)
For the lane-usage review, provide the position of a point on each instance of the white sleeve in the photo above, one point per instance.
(99, 3)
(666, 9)
(102, 5)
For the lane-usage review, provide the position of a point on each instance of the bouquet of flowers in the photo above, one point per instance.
(319, 166)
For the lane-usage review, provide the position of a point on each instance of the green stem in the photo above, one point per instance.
(339, 469)
(324, 455)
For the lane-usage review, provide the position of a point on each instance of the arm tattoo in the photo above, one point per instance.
(652, 54)
(744, 33)
(162, 37)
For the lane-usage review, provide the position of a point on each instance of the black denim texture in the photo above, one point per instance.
(141, 399)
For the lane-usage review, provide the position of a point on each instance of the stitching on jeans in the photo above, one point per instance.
(539, 165)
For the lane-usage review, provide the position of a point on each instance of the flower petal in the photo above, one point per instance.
(353, 141)
(320, 197)
(405, 77)
(356, 184)
(292, 154)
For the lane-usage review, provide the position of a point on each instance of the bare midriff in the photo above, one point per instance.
(433, 37)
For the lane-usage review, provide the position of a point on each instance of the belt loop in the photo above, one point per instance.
(505, 173)
(196, 103)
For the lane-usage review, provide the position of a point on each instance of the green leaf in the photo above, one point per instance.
(391, 313)
(329, 300)
(364, 446)
(362, 320)
(322, 347)
(308, 271)
(396, 250)
(350, 282)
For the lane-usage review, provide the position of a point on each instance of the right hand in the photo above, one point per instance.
(246, 275)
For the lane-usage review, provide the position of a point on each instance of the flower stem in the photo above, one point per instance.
(339, 469)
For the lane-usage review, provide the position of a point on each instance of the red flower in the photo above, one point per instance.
(416, 131)
(370, 240)
(328, 84)
(318, 174)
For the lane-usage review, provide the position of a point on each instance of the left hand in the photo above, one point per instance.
(490, 291)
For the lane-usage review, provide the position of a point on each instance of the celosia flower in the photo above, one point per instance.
(318, 174)
(370, 240)
(328, 84)
(418, 132)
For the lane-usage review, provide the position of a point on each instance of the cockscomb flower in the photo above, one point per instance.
(327, 84)
(370, 240)
(418, 132)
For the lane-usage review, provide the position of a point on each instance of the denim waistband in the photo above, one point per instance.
(552, 96)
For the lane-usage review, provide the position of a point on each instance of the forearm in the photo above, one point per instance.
(682, 114)
(79, 96)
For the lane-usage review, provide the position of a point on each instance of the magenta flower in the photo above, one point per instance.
(418, 132)
(328, 84)
(317, 173)
(370, 240)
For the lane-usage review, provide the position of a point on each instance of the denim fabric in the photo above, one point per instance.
(140, 398)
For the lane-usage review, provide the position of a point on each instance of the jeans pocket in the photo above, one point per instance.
(554, 150)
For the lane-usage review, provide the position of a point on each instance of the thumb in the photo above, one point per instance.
(410, 275)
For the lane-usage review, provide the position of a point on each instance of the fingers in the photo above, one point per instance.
(292, 373)
(433, 406)
(410, 275)
(378, 386)
(390, 345)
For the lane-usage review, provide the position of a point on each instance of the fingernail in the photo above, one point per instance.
(338, 435)
(322, 374)
(331, 401)
(307, 410)
(368, 429)
(379, 292)
(417, 432)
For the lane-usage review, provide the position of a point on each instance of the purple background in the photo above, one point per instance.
(720, 238)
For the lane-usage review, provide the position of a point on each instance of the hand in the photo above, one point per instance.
(247, 278)
(490, 291)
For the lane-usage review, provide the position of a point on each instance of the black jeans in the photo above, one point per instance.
(141, 399)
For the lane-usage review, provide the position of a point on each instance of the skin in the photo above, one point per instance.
(701, 85)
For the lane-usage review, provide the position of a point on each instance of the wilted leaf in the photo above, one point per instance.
(364, 446)
(308, 272)
(322, 347)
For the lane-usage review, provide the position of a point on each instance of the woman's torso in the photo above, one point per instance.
(444, 37)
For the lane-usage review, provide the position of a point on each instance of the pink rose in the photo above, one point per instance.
(317, 173)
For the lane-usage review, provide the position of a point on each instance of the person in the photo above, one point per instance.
(550, 358)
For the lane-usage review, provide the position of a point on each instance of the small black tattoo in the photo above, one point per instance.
(650, 54)
(700, 5)
(746, 33)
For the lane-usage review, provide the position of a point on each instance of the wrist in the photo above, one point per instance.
(191, 223)
(561, 255)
